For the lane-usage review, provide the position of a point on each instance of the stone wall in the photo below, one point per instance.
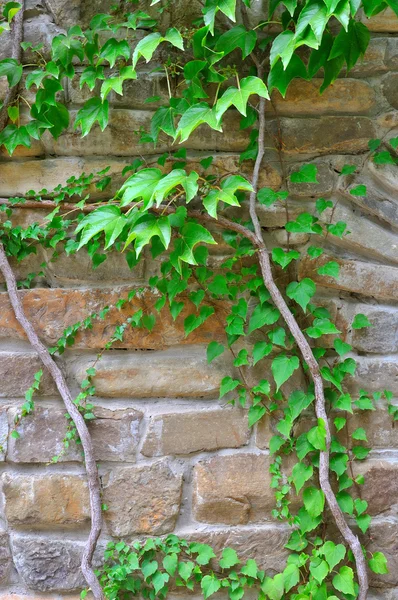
(172, 457)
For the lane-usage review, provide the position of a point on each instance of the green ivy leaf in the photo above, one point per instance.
(10, 68)
(341, 347)
(378, 563)
(344, 581)
(193, 117)
(306, 174)
(301, 473)
(283, 368)
(319, 570)
(237, 37)
(263, 314)
(283, 258)
(317, 436)
(363, 522)
(228, 385)
(260, 350)
(93, 111)
(314, 501)
(361, 321)
(239, 97)
(273, 587)
(330, 269)
(301, 292)
(210, 585)
(214, 349)
(359, 190)
(229, 558)
(334, 553)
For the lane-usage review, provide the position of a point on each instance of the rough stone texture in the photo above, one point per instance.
(381, 430)
(184, 433)
(47, 501)
(49, 565)
(325, 183)
(5, 558)
(384, 534)
(168, 374)
(374, 374)
(355, 276)
(382, 337)
(142, 499)
(233, 489)
(17, 370)
(115, 436)
(384, 22)
(381, 484)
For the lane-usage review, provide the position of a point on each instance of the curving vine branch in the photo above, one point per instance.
(62, 386)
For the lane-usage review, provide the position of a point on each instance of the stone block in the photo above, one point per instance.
(142, 500)
(381, 430)
(382, 337)
(383, 536)
(52, 310)
(374, 375)
(114, 433)
(234, 490)
(173, 373)
(196, 431)
(384, 22)
(50, 565)
(5, 558)
(17, 370)
(46, 501)
(345, 96)
(380, 489)
(325, 177)
(390, 84)
(355, 276)
(326, 135)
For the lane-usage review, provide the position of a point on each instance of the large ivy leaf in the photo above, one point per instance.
(140, 185)
(147, 227)
(314, 501)
(195, 116)
(112, 49)
(13, 136)
(193, 234)
(212, 7)
(93, 111)
(351, 44)
(239, 97)
(107, 219)
(226, 193)
(344, 581)
(147, 46)
(10, 68)
(280, 78)
(316, 16)
(172, 180)
(334, 553)
(301, 292)
(237, 37)
(263, 314)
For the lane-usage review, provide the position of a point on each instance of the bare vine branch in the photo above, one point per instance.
(62, 386)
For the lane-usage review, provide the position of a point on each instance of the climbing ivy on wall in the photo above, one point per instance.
(221, 62)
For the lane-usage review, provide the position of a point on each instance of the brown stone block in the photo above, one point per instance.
(233, 489)
(355, 276)
(46, 501)
(174, 373)
(345, 96)
(17, 370)
(51, 311)
(187, 432)
(384, 22)
(142, 500)
(380, 489)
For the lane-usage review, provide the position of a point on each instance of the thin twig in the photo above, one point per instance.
(62, 386)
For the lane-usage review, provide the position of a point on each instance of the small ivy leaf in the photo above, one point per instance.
(378, 563)
(175, 309)
(205, 553)
(359, 434)
(263, 314)
(185, 570)
(283, 258)
(317, 436)
(250, 568)
(384, 158)
(319, 570)
(283, 368)
(338, 463)
(306, 174)
(314, 501)
(321, 327)
(159, 580)
(374, 144)
(363, 522)
(361, 321)
(330, 269)
(10, 68)
(314, 252)
(255, 414)
(277, 336)
(346, 502)
(359, 190)
(275, 443)
(360, 505)
(348, 170)
(341, 347)
(299, 401)
(214, 349)
(93, 110)
(229, 558)
(333, 553)
(193, 321)
(344, 581)
(338, 229)
(301, 292)
(339, 423)
(360, 452)
(301, 473)
(210, 585)
(273, 587)
(239, 97)
(195, 116)
(321, 205)
(149, 567)
(291, 576)
(237, 37)
(228, 385)
(260, 350)
(241, 358)
(393, 142)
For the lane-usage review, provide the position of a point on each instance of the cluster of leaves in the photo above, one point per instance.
(149, 569)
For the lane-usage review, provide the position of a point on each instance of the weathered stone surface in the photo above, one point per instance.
(381, 484)
(382, 337)
(366, 237)
(17, 370)
(325, 177)
(390, 85)
(51, 311)
(46, 501)
(374, 374)
(114, 433)
(174, 373)
(355, 276)
(144, 499)
(385, 21)
(3, 434)
(380, 428)
(383, 536)
(264, 544)
(345, 96)
(233, 489)
(5, 558)
(375, 59)
(50, 565)
(327, 135)
(36, 31)
(183, 433)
